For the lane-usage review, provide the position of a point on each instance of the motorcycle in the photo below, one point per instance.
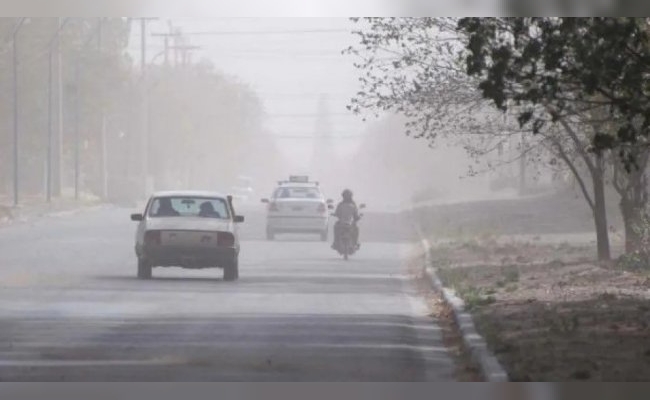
(345, 245)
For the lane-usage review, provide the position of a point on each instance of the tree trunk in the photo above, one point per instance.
(600, 213)
(632, 186)
(631, 217)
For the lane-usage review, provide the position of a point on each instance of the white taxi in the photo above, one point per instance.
(297, 206)
(188, 229)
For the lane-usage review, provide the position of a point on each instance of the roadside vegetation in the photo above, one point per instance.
(565, 97)
(551, 312)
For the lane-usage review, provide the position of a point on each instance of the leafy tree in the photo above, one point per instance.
(559, 70)
(202, 123)
(547, 74)
(203, 126)
(102, 74)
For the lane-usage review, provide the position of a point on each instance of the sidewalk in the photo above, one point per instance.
(35, 207)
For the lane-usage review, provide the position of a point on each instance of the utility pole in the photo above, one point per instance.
(15, 92)
(48, 177)
(60, 122)
(145, 107)
(166, 37)
(50, 139)
(184, 51)
(77, 94)
(145, 102)
(77, 171)
(102, 119)
(15, 96)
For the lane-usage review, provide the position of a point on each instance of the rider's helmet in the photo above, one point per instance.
(347, 195)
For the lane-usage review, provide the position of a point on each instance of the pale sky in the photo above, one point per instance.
(289, 71)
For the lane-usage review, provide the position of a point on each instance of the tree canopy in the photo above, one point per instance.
(557, 67)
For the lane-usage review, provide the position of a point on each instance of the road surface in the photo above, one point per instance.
(71, 309)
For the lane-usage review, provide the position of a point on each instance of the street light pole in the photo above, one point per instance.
(104, 166)
(50, 139)
(49, 130)
(15, 96)
(76, 130)
(145, 102)
(145, 106)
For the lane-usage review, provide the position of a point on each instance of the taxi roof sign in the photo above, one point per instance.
(299, 179)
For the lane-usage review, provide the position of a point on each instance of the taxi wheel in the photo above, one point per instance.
(144, 269)
(231, 271)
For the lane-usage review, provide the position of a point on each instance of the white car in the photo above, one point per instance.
(243, 191)
(297, 206)
(188, 229)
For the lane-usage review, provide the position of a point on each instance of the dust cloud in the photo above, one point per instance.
(145, 104)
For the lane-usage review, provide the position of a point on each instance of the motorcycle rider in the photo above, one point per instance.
(347, 212)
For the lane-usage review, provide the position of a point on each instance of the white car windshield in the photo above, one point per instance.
(297, 193)
(189, 207)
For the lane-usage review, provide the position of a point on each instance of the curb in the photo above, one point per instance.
(488, 364)
(31, 215)
(490, 367)
(74, 211)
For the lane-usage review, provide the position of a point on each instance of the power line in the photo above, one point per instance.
(264, 32)
(309, 115)
(334, 137)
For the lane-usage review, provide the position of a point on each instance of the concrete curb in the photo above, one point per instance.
(490, 367)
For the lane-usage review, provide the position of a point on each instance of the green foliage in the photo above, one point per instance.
(557, 67)
(475, 297)
(638, 259)
(472, 296)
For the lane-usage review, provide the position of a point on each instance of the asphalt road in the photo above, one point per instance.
(71, 309)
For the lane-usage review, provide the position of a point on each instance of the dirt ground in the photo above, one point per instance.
(549, 312)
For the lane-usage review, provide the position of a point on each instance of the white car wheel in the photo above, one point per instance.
(144, 269)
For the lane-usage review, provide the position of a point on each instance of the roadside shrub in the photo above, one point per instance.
(638, 260)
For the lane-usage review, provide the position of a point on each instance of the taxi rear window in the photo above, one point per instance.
(297, 193)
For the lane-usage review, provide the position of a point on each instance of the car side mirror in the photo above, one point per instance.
(238, 219)
(266, 201)
(137, 217)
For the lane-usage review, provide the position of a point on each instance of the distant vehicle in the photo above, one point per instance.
(243, 191)
(297, 206)
(188, 229)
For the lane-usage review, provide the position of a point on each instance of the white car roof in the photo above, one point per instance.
(188, 193)
(299, 184)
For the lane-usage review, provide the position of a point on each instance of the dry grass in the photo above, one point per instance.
(550, 313)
